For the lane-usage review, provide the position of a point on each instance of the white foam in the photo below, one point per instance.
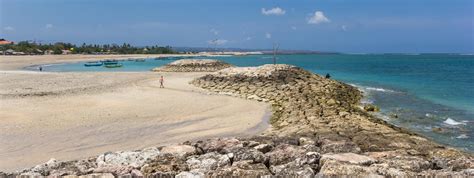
(378, 89)
(368, 89)
(450, 121)
(462, 136)
(47, 65)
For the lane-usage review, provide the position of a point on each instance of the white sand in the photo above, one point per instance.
(76, 115)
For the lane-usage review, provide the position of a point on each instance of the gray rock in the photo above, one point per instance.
(186, 174)
(264, 148)
(329, 146)
(165, 164)
(102, 175)
(180, 150)
(116, 169)
(221, 145)
(249, 154)
(306, 141)
(293, 170)
(337, 168)
(351, 158)
(127, 158)
(284, 153)
(241, 169)
(208, 161)
(45, 168)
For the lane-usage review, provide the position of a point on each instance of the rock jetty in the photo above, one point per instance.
(318, 129)
(193, 65)
(307, 104)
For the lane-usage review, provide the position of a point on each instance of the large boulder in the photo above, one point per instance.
(351, 158)
(242, 169)
(127, 158)
(180, 150)
(208, 162)
(165, 165)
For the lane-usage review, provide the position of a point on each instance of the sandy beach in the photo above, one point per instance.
(75, 115)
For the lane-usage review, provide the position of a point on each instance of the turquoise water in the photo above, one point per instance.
(425, 91)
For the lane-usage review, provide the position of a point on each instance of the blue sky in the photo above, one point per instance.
(362, 26)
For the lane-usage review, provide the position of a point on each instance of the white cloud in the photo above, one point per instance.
(344, 28)
(217, 42)
(9, 28)
(48, 26)
(214, 31)
(293, 27)
(273, 11)
(268, 35)
(248, 38)
(317, 18)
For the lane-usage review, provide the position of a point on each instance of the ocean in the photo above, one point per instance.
(431, 94)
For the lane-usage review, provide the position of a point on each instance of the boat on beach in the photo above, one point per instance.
(93, 64)
(114, 65)
(110, 62)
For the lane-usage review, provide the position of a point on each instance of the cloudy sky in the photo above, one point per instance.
(325, 25)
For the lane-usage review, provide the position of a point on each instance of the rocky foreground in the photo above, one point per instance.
(319, 129)
(193, 65)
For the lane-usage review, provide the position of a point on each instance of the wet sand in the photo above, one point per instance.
(75, 115)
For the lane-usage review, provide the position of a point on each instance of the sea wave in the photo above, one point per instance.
(368, 88)
(380, 89)
(462, 136)
(429, 115)
(450, 121)
(49, 65)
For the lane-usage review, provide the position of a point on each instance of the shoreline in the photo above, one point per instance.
(96, 112)
(18, 62)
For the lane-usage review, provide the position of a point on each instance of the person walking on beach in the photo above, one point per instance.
(161, 82)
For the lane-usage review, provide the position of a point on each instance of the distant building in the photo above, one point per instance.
(9, 52)
(13, 52)
(48, 52)
(66, 51)
(5, 42)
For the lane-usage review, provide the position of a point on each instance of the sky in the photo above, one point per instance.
(353, 26)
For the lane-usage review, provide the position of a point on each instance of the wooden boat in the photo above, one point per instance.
(110, 62)
(92, 64)
(116, 65)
